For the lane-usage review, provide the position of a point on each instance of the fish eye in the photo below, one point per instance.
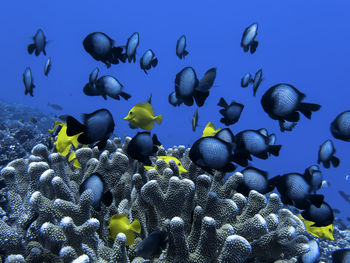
(130, 112)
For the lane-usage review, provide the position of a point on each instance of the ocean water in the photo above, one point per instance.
(303, 43)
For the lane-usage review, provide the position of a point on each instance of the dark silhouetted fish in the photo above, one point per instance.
(181, 51)
(39, 43)
(28, 81)
(55, 106)
(131, 46)
(283, 101)
(97, 127)
(173, 100)
(257, 81)
(185, 83)
(248, 39)
(340, 127)
(195, 120)
(341, 256)
(142, 146)
(204, 85)
(227, 136)
(246, 80)
(212, 153)
(286, 125)
(230, 113)
(296, 191)
(101, 48)
(326, 155)
(108, 85)
(314, 177)
(321, 216)
(93, 75)
(47, 67)
(148, 60)
(152, 245)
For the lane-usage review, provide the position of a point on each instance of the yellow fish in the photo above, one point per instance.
(120, 224)
(142, 116)
(209, 130)
(64, 142)
(166, 159)
(325, 232)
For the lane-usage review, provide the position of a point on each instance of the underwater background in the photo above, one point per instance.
(303, 43)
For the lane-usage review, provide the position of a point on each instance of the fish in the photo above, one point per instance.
(185, 83)
(321, 216)
(204, 85)
(210, 130)
(325, 184)
(340, 127)
(173, 100)
(28, 81)
(255, 179)
(283, 101)
(64, 142)
(195, 120)
(295, 190)
(149, 99)
(55, 106)
(97, 127)
(286, 125)
(313, 254)
(109, 85)
(326, 155)
(347, 177)
(336, 211)
(345, 196)
(148, 60)
(248, 41)
(100, 192)
(246, 80)
(39, 43)
(167, 159)
(33, 120)
(226, 135)
(47, 67)
(101, 48)
(181, 51)
(93, 75)
(341, 255)
(257, 81)
(256, 143)
(131, 46)
(314, 177)
(142, 146)
(152, 245)
(142, 116)
(119, 223)
(63, 117)
(211, 153)
(231, 113)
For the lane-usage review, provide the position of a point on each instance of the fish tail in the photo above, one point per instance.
(222, 103)
(275, 149)
(159, 119)
(31, 48)
(326, 164)
(308, 108)
(335, 161)
(125, 95)
(185, 53)
(253, 46)
(136, 226)
(154, 62)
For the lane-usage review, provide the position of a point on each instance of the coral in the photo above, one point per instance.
(45, 217)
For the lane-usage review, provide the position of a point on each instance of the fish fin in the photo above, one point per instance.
(223, 111)
(308, 108)
(133, 58)
(102, 144)
(240, 159)
(200, 97)
(36, 52)
(275, 149)
(117, 54)
(155, 140)
(76, 164)
(130, 237)
(25, 92)
(263, 155)
(229, 168)
(145, 71)
(74, 127)
(136, 226)
(71, 156)
(263, 132)
(293, 117)
(246, 48)
(316, 200)
(125, 95)
(335, 161)
(188, 101)
(104, 96)
(286, 200)
(57, 123)
(326, 164)
(222, 103)
(74, 140)
(129, 59)
(185, 53)
(253, 46)
(159, 119)
(154, 62)
(31, 48)
(44, 52)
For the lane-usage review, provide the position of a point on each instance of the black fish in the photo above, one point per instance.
(248, 39)
(283, 101)
(326, 155)
(97, 127)
(257, 81)
(47, 67)
(286, 125)
(340, 127)
(142, 146)
(173, 100)
(212, 153)
(90, 88)
(227, 136)
(185, 83)
(181, 51)
(321, 216)
(101, 48)
(93, 75)
(148, 60)
(131, 46)
(341, 256)
(314, 177)
(296, 191)
(254, 179)
(246, 80)
(152, 245)
(204, 85)
(28, 81)
(55, 106)
(39, 43)
(108, 85)
(230, 113)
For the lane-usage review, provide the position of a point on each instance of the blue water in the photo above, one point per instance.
(303, 43)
